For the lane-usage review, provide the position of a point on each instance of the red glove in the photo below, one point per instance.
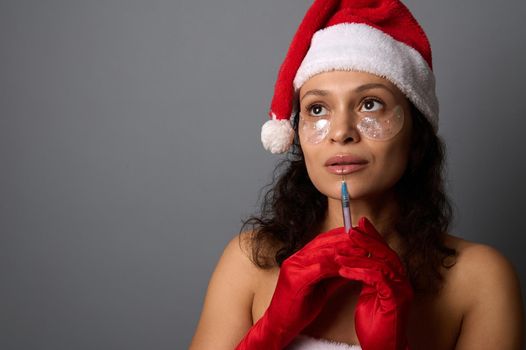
(306, 281)
(383, 304)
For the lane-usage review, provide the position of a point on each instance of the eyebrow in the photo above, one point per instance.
(360, 88)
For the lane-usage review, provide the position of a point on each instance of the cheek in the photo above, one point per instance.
(392, 164)
(393, 156)
(311, 159)
(324, 182)
(312, 162)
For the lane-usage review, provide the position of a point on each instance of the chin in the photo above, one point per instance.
(332, 189)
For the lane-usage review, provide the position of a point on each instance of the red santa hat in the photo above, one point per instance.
(380, 37)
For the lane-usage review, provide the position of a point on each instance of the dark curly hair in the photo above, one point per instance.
(292, 210)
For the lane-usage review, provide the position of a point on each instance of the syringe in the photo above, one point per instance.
(346, 208)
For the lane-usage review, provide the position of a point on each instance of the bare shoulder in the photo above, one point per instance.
(235, 267)
(487, 287)
(481, 265)
(238, 255)
(226, 314)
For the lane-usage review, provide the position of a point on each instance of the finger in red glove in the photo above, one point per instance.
(307, 279)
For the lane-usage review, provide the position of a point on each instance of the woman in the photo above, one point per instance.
(358, 84)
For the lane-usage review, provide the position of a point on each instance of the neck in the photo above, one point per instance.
(381, 211)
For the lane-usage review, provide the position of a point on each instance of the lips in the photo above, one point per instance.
(345, 164)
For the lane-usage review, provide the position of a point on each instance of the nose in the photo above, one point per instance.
(343, 129)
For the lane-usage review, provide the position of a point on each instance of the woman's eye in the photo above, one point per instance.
(371, 106)
(317, 110)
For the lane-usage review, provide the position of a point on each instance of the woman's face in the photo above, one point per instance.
(356, 126)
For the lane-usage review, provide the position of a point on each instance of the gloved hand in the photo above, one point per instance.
(383, 304)
(306, 281)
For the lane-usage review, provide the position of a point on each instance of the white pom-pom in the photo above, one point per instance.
(277, 135)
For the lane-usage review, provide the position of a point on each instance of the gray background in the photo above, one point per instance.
(129, 152)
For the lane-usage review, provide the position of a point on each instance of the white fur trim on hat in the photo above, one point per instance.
(360, 47)
(277, 135)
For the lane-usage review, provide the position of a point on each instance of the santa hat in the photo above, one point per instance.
(380, 37)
